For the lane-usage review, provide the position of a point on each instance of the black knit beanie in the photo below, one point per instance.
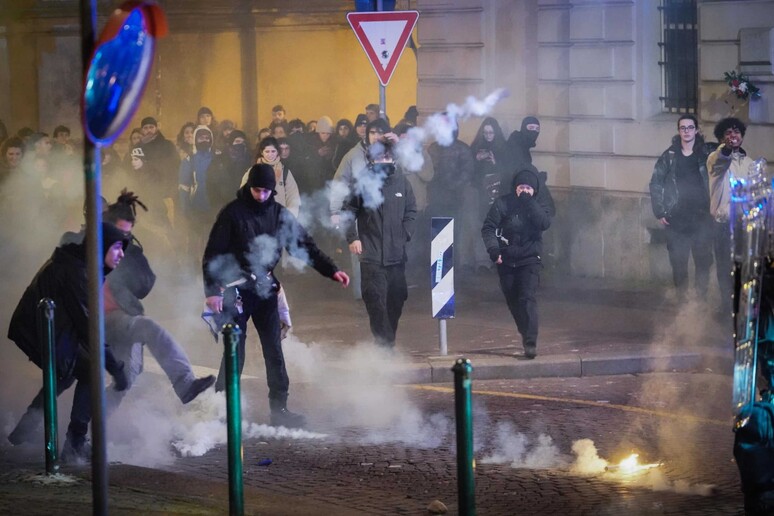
(262, 176)
(526, 176)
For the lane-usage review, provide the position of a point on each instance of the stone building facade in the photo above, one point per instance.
(589, 69)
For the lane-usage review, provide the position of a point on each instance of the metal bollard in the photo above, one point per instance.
(46, 309)
(463, 414)
(231, 334)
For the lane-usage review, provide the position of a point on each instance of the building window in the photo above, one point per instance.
(679, 56)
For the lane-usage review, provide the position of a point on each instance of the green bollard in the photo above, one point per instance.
(46, 309)
(231, 334)
(463, 414)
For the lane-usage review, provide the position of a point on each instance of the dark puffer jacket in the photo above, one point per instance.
(514, 227)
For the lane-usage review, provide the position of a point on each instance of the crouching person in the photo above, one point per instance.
(63, 278)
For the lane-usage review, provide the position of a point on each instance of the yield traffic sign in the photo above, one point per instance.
(383, 36)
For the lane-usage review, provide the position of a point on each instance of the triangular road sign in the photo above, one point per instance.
(383, 36)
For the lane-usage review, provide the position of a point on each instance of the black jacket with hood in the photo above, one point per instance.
(248, 237)
(514, 227)
(62, 278)
(384, 230)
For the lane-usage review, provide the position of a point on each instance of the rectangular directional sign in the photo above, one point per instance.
(383, 35)
(442, 267)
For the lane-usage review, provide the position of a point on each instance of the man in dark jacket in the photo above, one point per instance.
(245, 244)
(513, 236)
(519, 147)
(63, 279)
(679, 194)
(162, 155)
(385, 210)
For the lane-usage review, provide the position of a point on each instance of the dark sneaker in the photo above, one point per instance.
(286, 418)
(29, 430)
(530, 350)
(197, 387)
(76, 451)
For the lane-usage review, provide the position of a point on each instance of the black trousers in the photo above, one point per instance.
(519, 285)
(80, 414)
(263, 312)
(681, 244)
(384, 292)
(722, 240)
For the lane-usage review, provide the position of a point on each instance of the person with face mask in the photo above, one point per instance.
(193, 196)
(226, 171)
(513, 236)
(518, 149)
(384, 211)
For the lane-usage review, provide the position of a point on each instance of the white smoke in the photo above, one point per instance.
(515, 448)
(587, 460)
(441, 127)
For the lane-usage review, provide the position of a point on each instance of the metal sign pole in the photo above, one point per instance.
(94, 263)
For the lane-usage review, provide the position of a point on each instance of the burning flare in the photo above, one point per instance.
(631, 465)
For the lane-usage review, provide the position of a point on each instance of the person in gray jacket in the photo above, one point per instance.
(127, 329)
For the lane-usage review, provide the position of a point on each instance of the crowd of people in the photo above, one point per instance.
(237, 208)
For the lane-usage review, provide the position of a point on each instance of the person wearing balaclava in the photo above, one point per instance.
(63, 278)
(513, 236)
(518, 150)
(245, 244)
(230, 166)
(384, 212)
(520, 142)
(193, 195)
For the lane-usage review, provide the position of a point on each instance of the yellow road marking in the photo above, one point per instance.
(624, 408)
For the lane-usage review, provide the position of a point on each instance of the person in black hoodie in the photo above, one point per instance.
(245, 244)
(513, 236)
(63, 279)
(518, 146)
(385, 211)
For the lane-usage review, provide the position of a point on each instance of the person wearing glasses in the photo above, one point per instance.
(679, 194)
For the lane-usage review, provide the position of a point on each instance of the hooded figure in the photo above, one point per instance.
(520, 142)
(513, 236)
(63, 279)
(194, 169)
(245, 243)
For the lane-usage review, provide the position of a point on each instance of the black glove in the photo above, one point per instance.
(726, 150)
(120, 380)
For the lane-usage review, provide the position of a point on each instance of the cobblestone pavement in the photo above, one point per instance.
(389, 471)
